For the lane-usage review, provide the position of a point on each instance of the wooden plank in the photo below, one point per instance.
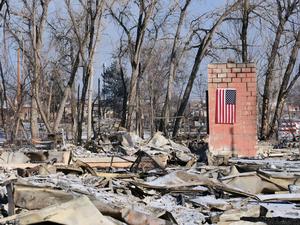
(106, 162)
(9, 188)
(116, 175)
(292, 197)
(10, 197)
(67, 157)
(24, 165)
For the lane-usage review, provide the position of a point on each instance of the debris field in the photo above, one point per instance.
(123, 179)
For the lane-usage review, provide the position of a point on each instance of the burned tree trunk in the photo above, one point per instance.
(269, 75)
(201, 52)
(244, 32)
(135, 48)
(124, 103)
(36, 38)
(67, 92)
(172, 71)
(285, 87)
(93, 15)
(3, 96)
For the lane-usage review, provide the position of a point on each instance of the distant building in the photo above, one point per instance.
(289, 126)
(289, 130)
(294, 110)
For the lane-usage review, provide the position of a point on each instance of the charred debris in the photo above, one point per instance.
(121, 178)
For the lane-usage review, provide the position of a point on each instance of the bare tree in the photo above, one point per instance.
(285, 9)
(201, 53)
(134, 46)
(288, 81)
(77, 49)
(174, 59)
(92, 19)
(154, 81)
(35, 17)
(123, 78)
(235, 37)
(80, 50)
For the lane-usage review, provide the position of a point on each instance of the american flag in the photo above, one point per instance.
(226, 105)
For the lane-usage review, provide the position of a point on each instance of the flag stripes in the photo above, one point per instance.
(225, 106)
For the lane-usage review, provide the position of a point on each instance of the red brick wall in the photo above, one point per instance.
(239, 138)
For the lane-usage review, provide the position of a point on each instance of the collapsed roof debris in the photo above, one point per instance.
(128, 180)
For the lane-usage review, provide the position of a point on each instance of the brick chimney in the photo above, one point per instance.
(240, 137)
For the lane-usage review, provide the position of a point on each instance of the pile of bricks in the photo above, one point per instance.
(241, 137)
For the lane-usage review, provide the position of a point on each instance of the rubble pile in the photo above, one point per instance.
(123, 179)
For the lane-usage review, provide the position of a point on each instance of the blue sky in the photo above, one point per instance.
(111, 33)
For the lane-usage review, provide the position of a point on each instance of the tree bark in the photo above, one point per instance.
(244, 32)
(3, 97)
(34, 119)
(82, 107)
(124, 103)
(49, 102)
(73, 112)
(139, 122)
(131, 107)
(151, 109)
(41, 112)
(99, 107)
(90, 105)
(78, 116)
